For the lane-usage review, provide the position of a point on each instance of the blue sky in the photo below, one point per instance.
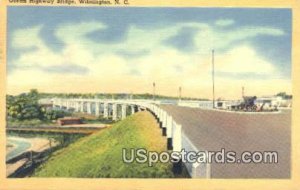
(146, 44)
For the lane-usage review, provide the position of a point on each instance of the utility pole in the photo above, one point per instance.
(153, 94)
(179, 93)
(213, 78)
(243, 92)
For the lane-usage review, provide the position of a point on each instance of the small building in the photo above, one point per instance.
(273, 101)
(226, 104)
(69, 121)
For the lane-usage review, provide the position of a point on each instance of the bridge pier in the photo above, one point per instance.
(89, 107)
(132, 109)
(139, 108)
(97, 112)
(70, 105)
(105, 110)
(82, 106)
(114, 110)
(54, 103)
(61, 104)
(123, 116)
(77, 104)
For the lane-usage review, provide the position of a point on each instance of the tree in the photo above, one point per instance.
(54, 114)
(33, 93)
(24, 106)
(284, 95)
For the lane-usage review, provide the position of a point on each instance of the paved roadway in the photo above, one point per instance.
(212, 130)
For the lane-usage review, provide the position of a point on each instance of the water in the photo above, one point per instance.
(20, 146)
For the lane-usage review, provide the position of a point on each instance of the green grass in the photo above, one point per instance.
(100, 154)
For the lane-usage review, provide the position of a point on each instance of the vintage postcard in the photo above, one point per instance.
(139, 95)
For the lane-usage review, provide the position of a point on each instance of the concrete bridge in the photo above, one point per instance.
(204, 129)
(119, 109)
(107, 108)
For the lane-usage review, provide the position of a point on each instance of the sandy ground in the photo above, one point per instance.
(40, 144)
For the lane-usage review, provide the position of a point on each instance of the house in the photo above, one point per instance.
(69, 121)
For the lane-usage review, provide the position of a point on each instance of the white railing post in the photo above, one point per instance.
(160, 114)
(164, 119)
(177, 138)
(169, 126)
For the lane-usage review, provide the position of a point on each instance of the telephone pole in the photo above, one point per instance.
(153, 94)
(213, 78)
(243, 92)
(179, 93)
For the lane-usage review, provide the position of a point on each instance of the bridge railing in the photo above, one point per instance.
(180, 141)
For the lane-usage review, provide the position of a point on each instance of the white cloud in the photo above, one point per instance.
(170, 68)
(209, 38)
(27, 38)
(243, 59)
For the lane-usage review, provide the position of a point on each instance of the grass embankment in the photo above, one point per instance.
(100, 155)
